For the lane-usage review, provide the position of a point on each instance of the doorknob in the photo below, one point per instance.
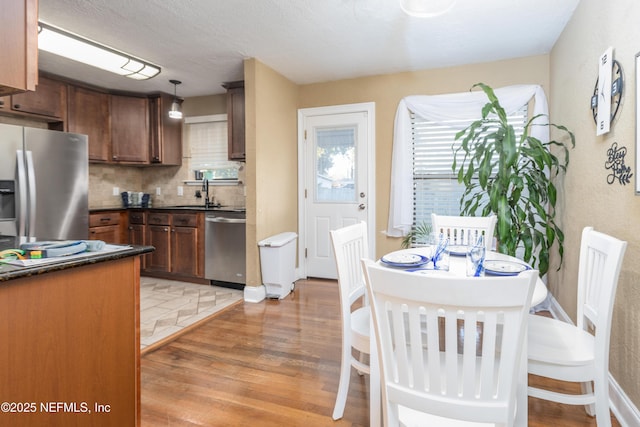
(361, 206)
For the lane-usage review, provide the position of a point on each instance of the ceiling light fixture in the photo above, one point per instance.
(426, 8)
(175, 112)
(76, 48)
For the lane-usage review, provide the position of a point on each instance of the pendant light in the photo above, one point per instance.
(175, 112)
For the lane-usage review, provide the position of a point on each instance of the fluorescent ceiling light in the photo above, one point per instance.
(76, 48)
(426, 8)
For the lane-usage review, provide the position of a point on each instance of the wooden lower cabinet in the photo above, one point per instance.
(137, 232)
(178, 239)
(184, 256)
(72, 341)
(159, 236)
(107, 226)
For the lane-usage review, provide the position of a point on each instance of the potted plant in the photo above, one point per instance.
(513, 177)
(418, 236)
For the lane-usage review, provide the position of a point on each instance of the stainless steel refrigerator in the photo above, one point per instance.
(44, 180)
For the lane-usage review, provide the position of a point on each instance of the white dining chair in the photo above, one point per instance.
(465, 230)
(450, 347)
(350, 245)
(580, 353)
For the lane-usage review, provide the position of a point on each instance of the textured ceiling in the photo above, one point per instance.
(204, 42)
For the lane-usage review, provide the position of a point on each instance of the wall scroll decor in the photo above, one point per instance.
(607, 93)
(615, 163)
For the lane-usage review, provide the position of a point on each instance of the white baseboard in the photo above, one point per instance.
(625, 411)
(254, 293)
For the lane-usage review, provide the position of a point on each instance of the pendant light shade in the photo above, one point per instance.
(176, 110)
(76, 48)
(426, 8)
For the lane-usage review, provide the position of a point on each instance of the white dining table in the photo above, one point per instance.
(457, 267)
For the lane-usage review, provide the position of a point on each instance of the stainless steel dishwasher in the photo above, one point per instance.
(225, 248)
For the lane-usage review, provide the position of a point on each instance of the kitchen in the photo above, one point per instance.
(567, 72)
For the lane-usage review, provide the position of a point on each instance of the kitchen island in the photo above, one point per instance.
(70, 340)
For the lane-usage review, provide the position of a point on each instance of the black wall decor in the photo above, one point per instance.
(615, 163)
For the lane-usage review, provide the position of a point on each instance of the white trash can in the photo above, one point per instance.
(278, 264)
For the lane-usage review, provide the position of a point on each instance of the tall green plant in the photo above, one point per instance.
(512, 177)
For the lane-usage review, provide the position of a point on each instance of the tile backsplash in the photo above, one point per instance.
(168, 179)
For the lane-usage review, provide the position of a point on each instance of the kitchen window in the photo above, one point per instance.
(208, 145)
(435, 184)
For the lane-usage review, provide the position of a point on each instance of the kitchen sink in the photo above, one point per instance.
(210, 208)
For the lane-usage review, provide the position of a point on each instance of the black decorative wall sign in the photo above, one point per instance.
(615, 163)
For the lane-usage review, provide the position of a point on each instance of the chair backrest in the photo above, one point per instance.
(350, 245)
(464, 230)
(449, 346)
(598, 271)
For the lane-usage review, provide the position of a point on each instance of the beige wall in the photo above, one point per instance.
(588, 199)
(272, 156)
(387, 90)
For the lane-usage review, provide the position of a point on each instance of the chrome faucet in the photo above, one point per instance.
(205, 189)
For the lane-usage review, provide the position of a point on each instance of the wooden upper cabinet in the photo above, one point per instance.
(19, 46)
(235, 119)
(165, 132)
(129, 129)
(88, 113)
(49, 99)
(5, 103)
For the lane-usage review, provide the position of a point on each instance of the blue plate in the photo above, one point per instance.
(403, 259)
(504, 268)
(458, 250)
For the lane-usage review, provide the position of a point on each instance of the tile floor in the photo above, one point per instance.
(168, 306)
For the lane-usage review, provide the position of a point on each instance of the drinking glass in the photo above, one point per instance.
(440, 256)
(475, 259)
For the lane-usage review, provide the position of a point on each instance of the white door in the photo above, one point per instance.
(338, 184)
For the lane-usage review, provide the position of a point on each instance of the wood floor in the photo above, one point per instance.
(275, 363)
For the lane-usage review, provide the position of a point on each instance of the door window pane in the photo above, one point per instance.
(335, 164)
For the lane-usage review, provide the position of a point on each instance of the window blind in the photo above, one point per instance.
(435, 185)
(207, 137)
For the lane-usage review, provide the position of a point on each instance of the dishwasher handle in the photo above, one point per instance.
(226, 220)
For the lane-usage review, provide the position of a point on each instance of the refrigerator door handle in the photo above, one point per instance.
(31, 173)
(22, 193)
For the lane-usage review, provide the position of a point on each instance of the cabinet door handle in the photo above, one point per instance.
(16, 106)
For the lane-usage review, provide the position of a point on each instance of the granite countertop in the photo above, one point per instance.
(112, 252)
(178, 207)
